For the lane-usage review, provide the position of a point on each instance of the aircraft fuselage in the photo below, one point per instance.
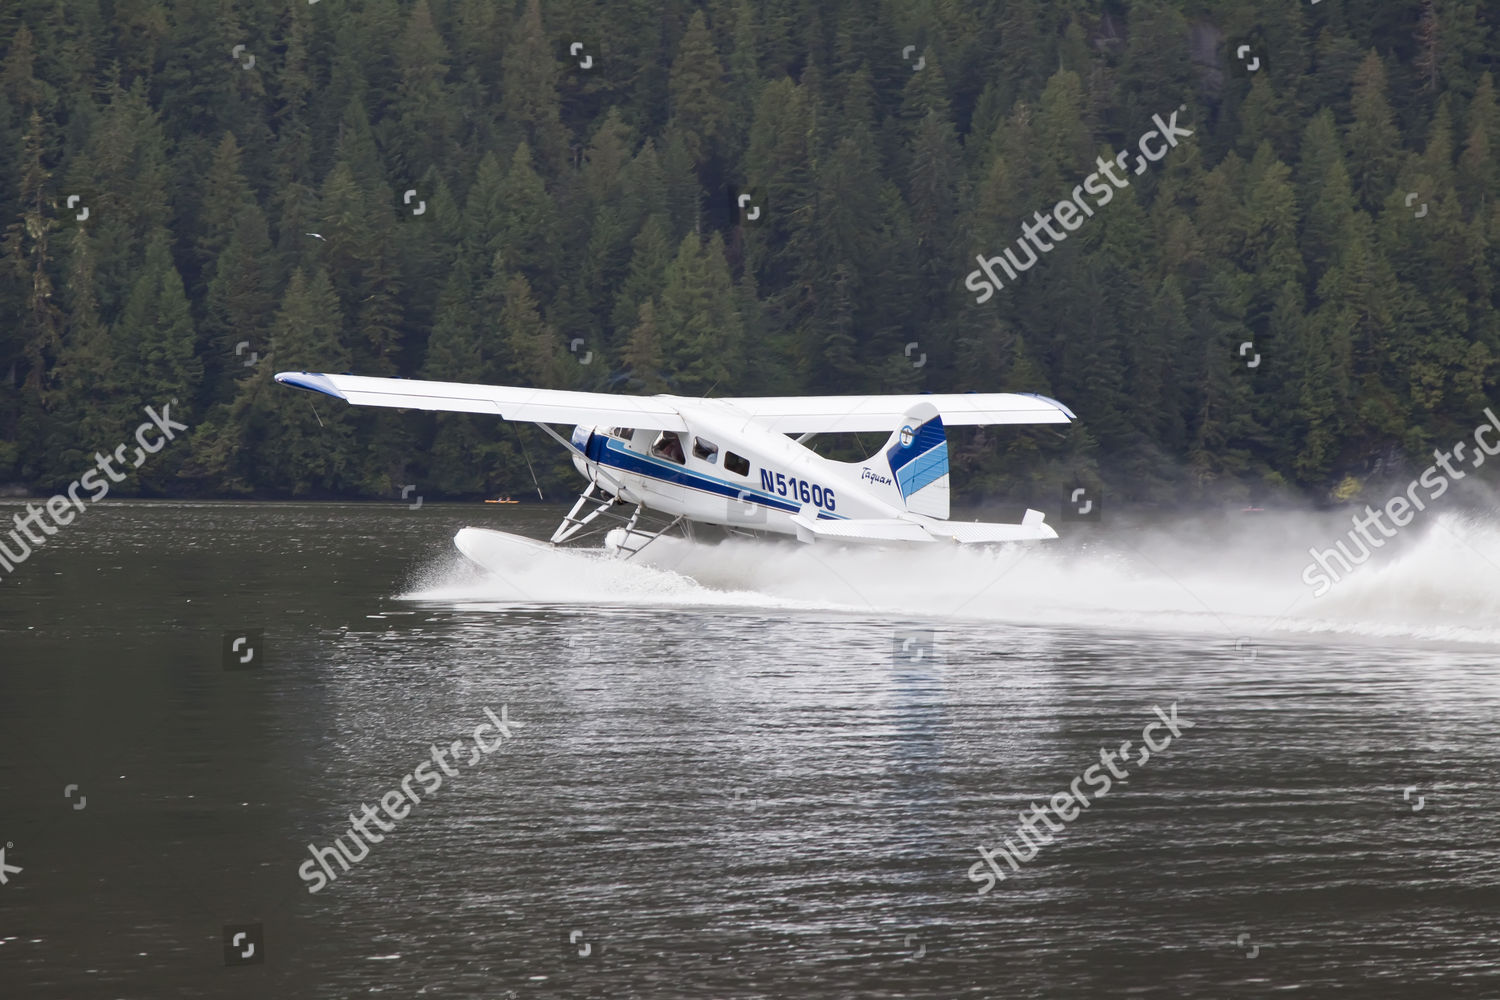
(732, 472)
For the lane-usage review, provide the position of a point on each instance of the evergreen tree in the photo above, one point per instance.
(273, 439)
(27, 258)
(154, 337)
(223, 195)
(699, 326)
(357, 234)
(699, 111)
(239, 307)
(526, 232)
(466, 449)
(1373, 141)
(423, 132)
(533, 351)
(528, 94)
(1478, 174)
(643, 356)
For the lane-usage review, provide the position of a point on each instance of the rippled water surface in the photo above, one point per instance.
(745, 769)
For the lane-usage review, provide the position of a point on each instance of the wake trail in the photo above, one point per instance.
(1226, 576)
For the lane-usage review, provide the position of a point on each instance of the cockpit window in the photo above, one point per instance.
(706, 450)
(668, 446)
(623, 433)
(734, 463)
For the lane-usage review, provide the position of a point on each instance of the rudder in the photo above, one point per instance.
(917, 453)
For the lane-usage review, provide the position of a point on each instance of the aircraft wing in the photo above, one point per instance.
(780, 414)
(548, 406)
(833, 414)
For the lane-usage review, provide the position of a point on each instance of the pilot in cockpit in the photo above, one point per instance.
(668, 446)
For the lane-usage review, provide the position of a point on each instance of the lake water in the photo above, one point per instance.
(744, 769)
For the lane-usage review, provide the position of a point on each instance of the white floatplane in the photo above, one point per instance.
(730, 461)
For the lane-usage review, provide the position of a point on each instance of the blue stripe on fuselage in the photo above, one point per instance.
(595, 446)
(615, 455)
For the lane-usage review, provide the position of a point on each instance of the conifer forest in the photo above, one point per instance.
(1293, 291)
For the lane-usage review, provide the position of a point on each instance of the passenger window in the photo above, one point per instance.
(706, 450)
(734, 463)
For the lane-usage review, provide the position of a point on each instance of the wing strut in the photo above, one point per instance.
(599, 473)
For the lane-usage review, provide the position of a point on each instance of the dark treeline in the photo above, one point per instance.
(502, 192)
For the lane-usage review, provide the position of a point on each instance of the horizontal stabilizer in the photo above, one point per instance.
(872, 529)
(810, 528)
(1031, 529)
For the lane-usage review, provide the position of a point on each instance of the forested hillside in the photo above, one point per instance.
(745, 197)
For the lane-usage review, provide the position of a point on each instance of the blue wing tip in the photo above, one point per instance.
(1048, 399)
(312, 381)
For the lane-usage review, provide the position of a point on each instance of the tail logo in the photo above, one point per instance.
(917, 454)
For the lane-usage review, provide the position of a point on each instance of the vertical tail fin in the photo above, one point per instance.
(917, 453)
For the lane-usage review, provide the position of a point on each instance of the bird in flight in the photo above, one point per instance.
(318, 236)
